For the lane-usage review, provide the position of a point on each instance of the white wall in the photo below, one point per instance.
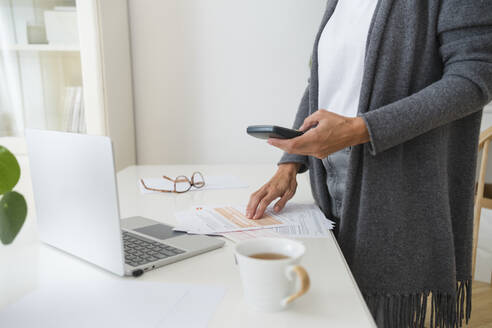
(206, 69)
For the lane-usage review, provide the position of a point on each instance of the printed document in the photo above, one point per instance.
(309, 221)
(295, 220)
(218, 219)
(237, 236)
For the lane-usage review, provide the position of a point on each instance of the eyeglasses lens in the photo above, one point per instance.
(182, 184)
(198, 180)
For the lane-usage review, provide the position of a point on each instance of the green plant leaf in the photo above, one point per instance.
(9, 170)
(13, 211)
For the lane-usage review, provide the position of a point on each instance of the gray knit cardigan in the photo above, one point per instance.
(407, 220)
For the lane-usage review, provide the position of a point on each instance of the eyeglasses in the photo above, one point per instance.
(182, 183)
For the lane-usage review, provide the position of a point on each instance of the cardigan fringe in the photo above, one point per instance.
(410, 310)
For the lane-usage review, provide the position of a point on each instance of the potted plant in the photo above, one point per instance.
(13, 207)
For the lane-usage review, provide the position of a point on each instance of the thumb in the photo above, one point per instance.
(309, 122)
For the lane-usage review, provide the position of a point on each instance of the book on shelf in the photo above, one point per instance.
(73, 110)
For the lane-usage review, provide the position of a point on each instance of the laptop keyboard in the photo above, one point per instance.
(139, 250)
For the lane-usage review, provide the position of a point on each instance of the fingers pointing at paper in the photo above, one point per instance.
(329, 133)
(283, 184)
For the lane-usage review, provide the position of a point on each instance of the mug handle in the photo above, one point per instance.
(305, 282)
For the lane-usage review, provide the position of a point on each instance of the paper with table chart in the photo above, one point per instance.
(218, 219)
(309, 221)
(211, 182)
(295, 220)
(114, 303)
(238, 236)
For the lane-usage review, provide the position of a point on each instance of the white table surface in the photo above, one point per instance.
(333, 300)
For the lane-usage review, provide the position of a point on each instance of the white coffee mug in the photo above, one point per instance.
(269, 284)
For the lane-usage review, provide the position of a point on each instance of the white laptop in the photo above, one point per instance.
(76, 197)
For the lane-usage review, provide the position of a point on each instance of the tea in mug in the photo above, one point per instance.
(269, 256)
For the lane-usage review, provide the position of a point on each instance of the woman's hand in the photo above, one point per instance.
(283, 184)
(332, 133)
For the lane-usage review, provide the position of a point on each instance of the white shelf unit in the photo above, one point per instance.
(100, 64)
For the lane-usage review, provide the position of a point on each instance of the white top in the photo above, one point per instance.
(341, 53)
(333, 300)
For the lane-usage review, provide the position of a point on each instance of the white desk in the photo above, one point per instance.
(333, 301)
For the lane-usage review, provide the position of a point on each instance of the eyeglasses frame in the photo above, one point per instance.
(178, 179)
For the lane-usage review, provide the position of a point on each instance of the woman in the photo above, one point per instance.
(392, 158)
